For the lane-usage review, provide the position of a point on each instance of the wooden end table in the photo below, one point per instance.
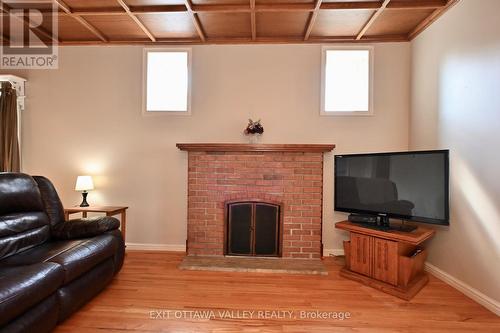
(108, 210)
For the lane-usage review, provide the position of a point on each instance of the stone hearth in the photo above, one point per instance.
(254, 265)
(291, 175)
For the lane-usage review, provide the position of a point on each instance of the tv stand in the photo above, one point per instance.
(389, 260)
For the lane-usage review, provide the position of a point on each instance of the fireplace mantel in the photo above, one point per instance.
(242, 147)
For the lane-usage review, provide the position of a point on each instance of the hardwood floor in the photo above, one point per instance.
(150, 283)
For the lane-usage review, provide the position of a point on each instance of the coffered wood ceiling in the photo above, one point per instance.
(234, 21)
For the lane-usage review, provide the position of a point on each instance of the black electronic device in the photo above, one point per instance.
(358, 218)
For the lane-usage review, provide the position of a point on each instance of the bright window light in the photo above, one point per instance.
(346, 86)
(167, 81)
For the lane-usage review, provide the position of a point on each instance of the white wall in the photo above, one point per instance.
(86, 117)
(456, 105)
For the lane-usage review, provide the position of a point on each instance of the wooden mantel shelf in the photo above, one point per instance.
(243, 147)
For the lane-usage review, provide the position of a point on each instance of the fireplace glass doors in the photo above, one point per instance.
(253, 229)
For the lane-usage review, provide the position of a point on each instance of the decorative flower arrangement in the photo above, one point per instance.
(253, 127)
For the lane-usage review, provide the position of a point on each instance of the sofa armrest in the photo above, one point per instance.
(84, 227)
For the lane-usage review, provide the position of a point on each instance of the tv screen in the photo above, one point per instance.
(405, 185)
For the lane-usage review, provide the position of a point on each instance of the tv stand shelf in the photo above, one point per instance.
(391, 261)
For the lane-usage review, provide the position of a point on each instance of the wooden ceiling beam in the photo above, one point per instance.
(312, 19)
(372, 19)
(136, 20)
(422, 4)
(159, 41)
(207, 8)
(223, 8)
(431, 19)
(285, 7)
(157, 8)
(395, 4)
(365, 39)
(81, 20)
(195, 19)
(253, 22)
(350, 5)
(247, 40)
(270, 7)
(4, 8)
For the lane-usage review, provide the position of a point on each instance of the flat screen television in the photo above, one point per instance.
(409, 186)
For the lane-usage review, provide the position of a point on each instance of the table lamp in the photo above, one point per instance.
(84, 184)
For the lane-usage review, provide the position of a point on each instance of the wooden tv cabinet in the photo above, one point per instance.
(384, 259)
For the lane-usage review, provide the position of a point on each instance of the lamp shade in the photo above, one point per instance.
(84, 183)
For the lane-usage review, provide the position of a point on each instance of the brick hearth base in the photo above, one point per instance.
(294, 179)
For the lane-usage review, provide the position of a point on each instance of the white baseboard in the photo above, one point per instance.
(333, 252)
(156, 247)
(474, 294)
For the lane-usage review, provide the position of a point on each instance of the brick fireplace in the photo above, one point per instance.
(288, 175)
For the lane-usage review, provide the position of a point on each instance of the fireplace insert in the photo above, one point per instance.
(253, 228)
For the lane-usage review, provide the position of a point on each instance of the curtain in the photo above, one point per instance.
(9, 140)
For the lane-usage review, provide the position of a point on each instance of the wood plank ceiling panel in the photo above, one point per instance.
(267, 2)
(80, 4)
(281, 24)
(154, 2)
(340, 22)
(220, 2)
(117, 27)
(226, 25)
(66, 9)
(398, 21)
(137, 21)
(170, 25)
(72, 30)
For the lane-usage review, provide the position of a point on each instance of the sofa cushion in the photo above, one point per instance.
(41, 253)
(14, 223)
(75, 256)
(86, 255)
(17, 243)
(24, 286)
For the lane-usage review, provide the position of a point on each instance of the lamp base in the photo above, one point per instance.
(84, 201)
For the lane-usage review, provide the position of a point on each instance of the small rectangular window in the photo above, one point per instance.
(167, 80)
(347, 81)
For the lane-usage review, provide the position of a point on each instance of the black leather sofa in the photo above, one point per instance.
(48, 267)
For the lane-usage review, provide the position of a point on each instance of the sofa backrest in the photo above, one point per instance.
(23, 221)
(50, 198)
